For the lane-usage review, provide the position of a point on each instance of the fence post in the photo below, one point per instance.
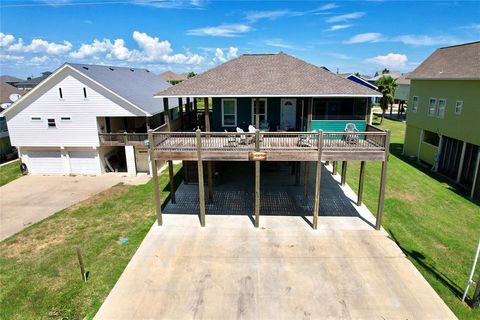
(383, 182)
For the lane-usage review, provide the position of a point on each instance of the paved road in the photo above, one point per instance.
(30, 199)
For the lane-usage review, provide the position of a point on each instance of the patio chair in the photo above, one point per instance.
(231, 139)
(350, 138)
(243, 138)
(307, 140)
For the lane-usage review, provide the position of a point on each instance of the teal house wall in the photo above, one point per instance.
(337, 125)
(355, 112)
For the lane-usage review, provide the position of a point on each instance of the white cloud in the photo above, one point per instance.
(172, 4)
(365, 37)
(338, 27)
(92, 50)
(473, 26)
(40, 46)
(150, 49)
(6, 39)
(340, 56)
(224, 30)
(328, 6)
(38, 61)
(391, 60)
(8, 57)
(220, 56)
(346, 17)
(421, 40)
(280, 43)
(254, 16)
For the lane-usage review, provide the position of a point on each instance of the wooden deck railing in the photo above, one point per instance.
(270, 141)
(122, 139)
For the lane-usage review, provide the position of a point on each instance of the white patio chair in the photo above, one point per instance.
(307, 140)
(350, 138)
(243, 138)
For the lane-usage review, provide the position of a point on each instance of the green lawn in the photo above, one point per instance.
(432, 221)
(10, 172)
(39, 271)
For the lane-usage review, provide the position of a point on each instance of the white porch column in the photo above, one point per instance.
(66, 161)
(130, 156)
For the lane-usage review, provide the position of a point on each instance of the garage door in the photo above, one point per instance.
(45, 162)
(84, 162)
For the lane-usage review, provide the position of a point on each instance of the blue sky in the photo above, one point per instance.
(197, 35)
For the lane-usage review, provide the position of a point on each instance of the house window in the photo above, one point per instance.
(51, 123)
(263, 110)
(432, 106)
(415, 101)
(431, 138)
(229, 112)
(458, 107)
(442, 104)
(66, 119)
(36, 119)
(84, 93)
(60, 93)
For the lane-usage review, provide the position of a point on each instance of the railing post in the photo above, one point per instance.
(125, 138)
(318, 177)
(383, 181)
(257, 181)
(156, 190)
(201, 185)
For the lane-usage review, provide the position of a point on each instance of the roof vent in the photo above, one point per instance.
(132, 70)
(147, 70)
(111, 69)
(86, 68)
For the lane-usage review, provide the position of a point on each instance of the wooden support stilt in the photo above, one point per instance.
(257, 113)
(334, 167)
(172, 181)
(344, 173)
(195, 110)
(297, 173)
(166, 113)
(257, 181)
(180, 112)
(361, 178)
(189, 111)
(201, 185)
(207, 115)
(306, 176)
(210, 181)
(156, 190)
(318, 178)
(383, 181)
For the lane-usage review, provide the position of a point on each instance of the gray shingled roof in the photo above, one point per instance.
(173, 76)
(455, 62)
(267, 75)
(404, 79)
(136, 85)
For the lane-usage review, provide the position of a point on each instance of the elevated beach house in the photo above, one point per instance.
(88, 119)
(443, 120)
(270, 108)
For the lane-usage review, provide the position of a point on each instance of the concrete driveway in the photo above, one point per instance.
(282, 270)
(30, 199)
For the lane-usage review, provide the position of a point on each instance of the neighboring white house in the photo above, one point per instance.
(402, 92)
(74, 122)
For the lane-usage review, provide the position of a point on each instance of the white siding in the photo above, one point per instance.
(81, 130)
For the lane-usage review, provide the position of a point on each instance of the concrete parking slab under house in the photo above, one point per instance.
(283, 270)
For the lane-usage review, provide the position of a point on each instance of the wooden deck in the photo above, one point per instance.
(272, 146)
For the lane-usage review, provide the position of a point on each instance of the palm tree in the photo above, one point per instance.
(386, 86)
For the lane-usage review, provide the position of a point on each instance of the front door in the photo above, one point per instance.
(141, 159)
(288, 114)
